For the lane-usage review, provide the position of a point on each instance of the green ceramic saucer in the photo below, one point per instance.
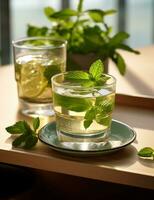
(121, 136)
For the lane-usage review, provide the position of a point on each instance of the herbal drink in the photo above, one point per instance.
(83, 114)
(36, 60)
(31, 73)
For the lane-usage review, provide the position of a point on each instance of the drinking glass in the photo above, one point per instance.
(36, 60)
(83, 114)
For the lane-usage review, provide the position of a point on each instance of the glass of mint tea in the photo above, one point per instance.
(83, 103)
(36, 60)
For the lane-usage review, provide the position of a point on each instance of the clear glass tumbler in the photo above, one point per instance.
(36, 60)
(83, 114)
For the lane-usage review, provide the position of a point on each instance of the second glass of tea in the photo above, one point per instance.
(36, 60)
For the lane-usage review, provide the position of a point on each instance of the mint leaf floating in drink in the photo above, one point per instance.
(28, 136)
(72, 103)
(146, 152)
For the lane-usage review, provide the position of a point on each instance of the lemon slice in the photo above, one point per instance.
(33, 82)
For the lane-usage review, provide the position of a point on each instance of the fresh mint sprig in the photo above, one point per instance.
(27, 136)
(99, 113)
(146, 152)
(94, 77)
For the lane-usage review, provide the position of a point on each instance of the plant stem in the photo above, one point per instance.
(79, 8)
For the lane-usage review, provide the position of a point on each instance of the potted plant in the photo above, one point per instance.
(88, 35)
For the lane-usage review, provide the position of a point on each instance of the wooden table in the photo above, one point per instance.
(123, 167)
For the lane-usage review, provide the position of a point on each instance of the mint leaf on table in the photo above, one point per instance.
(17, 128)
(36, 123)
(146, 152)
(28, 136)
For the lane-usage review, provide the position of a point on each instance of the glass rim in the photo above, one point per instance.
(81, 87)
(16, 44)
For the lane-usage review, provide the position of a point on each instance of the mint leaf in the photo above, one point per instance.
(96, 15)
(28, 137)
(96, 69)
(102, 80)
(19, 141)
(121, 64)
(89, 117)
(105, 105)
(30, 141)
(95, 77)
(127, 48)
(50, 71)
(90, 114)
(48, 11)
(88, 83)
(72, 103)
(36, 31)
(146, 152)
(103, 119)
(118, 59)
(87, 123)
(77, 76)
(17, 128)
(64, 14)
(118, 38)
(36, 123)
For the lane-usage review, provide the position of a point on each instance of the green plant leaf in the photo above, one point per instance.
(146, 152)
(88, 83)
(77, 75)
(64, 14)
(48, 11)
(30, 141)
(28, 137)
(72, 103)
(17, 128)
(89, 117)
(93, 38)
(110, 12)
(19, 141)
(104, 120)
(102, 80)
(96, 15)
(37, 31)
(127, 48)
(96, 69)
(121, 64)
(36, 123)
(90, 114)
(87, 123)
(51, 70)
(118, 38)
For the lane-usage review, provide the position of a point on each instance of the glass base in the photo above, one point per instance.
(35, 109)
(83, 143)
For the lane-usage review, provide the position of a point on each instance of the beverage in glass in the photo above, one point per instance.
(36, 60)
(83, 114)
